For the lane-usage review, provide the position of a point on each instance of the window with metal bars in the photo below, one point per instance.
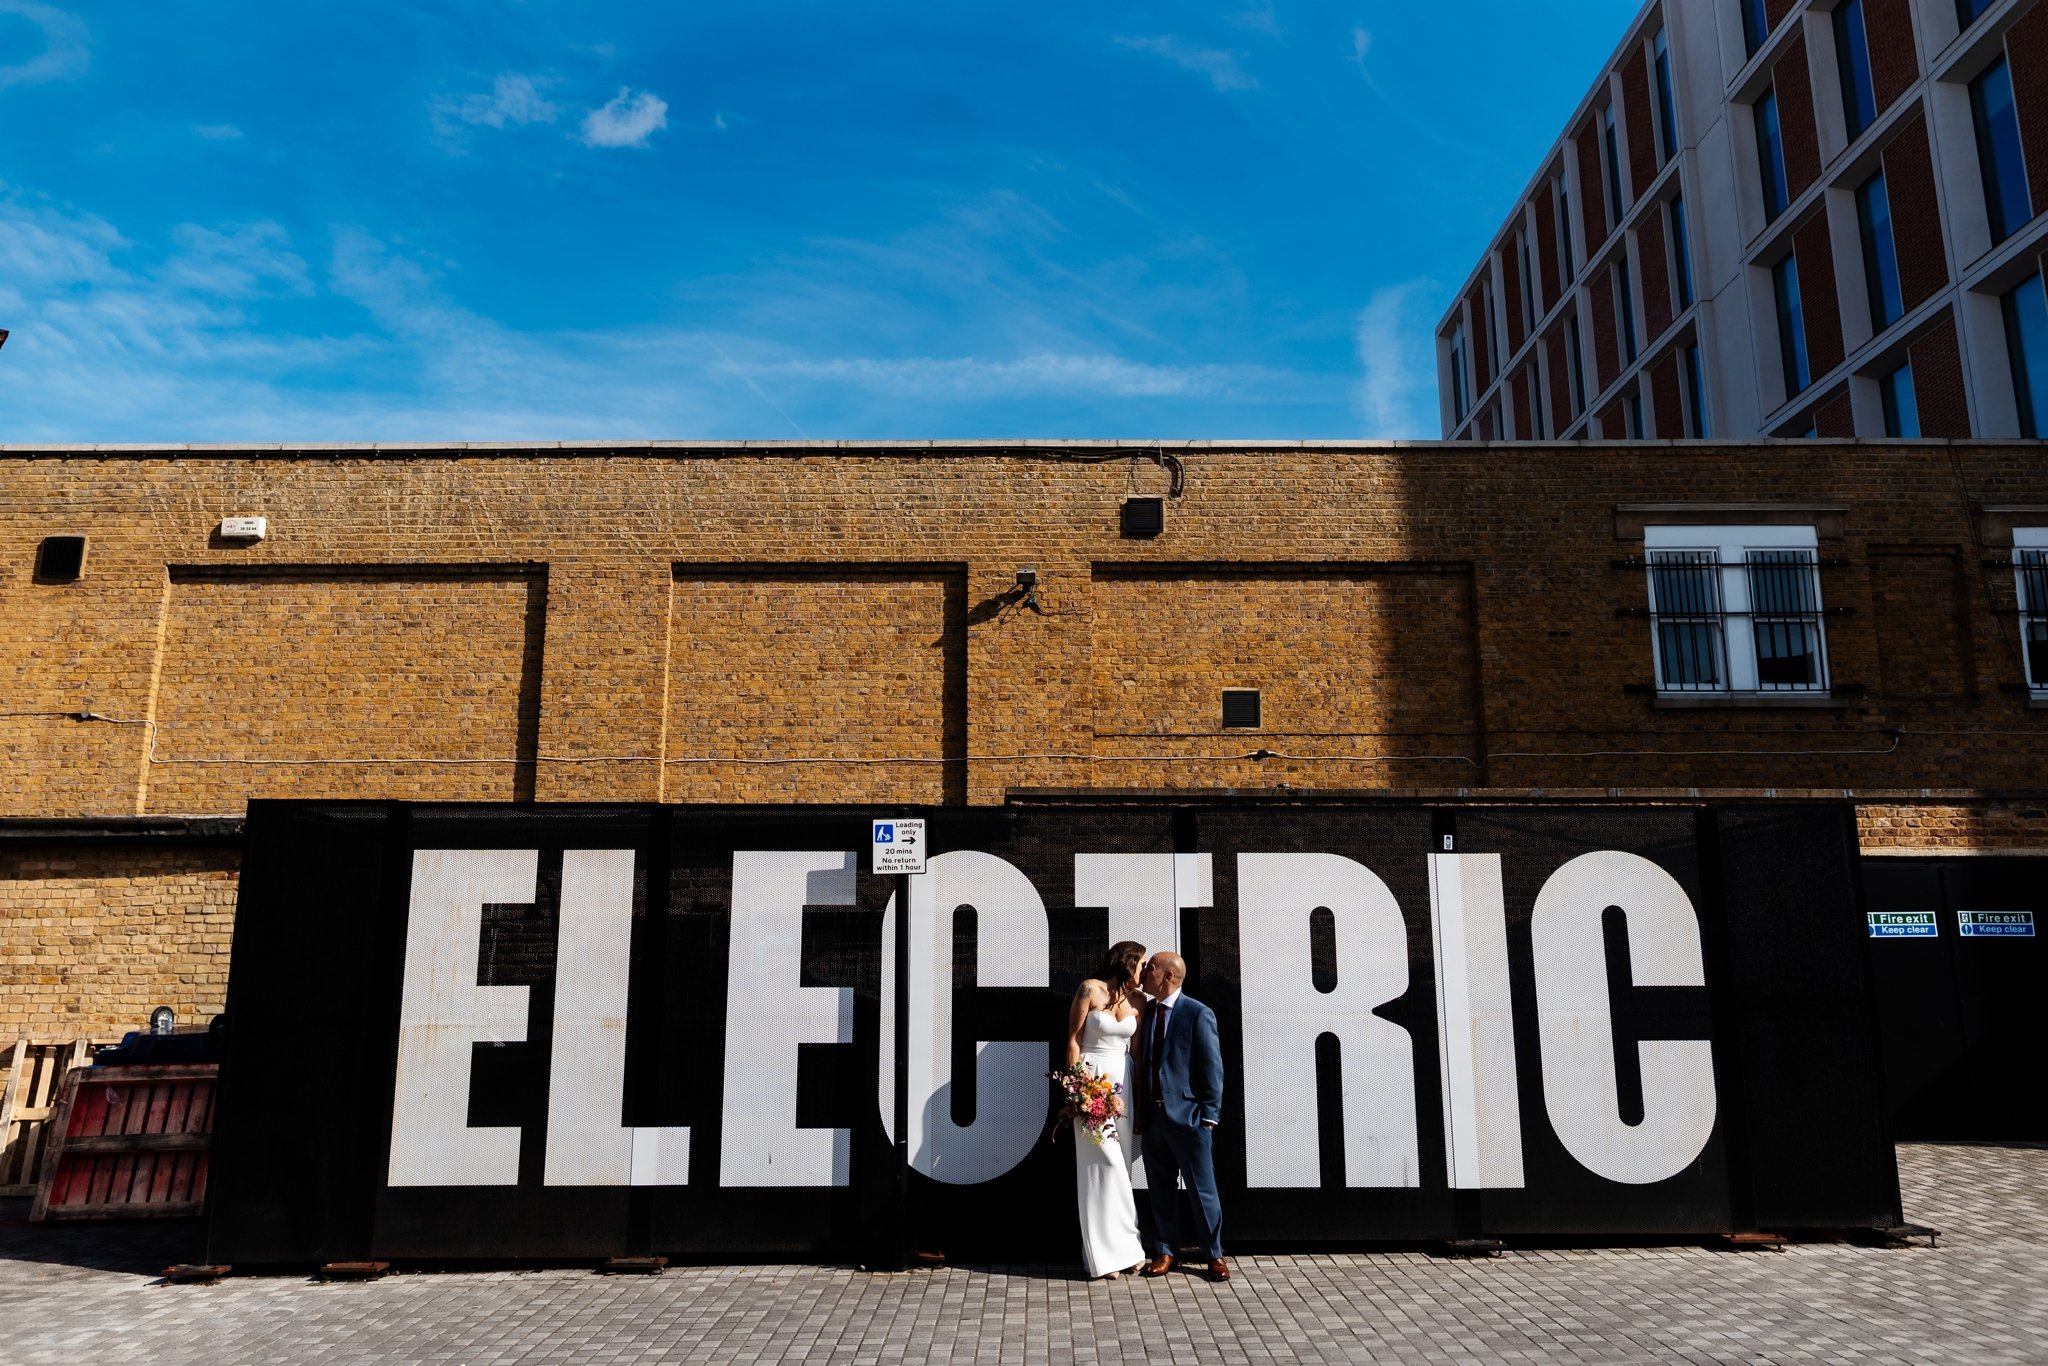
(1736, 611)
(2030, 567)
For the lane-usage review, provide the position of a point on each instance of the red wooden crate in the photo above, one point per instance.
(129, 1143)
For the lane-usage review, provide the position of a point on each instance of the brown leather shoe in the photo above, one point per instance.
(1158, 1266)
(1219, 1270)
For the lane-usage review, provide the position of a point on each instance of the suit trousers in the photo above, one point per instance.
(1176, 1152)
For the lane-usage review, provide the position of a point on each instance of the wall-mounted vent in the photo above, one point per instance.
(1240, 709)
(60, 559)
(1143, 516)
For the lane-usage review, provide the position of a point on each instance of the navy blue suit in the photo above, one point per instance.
(1188, 1072)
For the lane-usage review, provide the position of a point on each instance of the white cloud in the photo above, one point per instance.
(66, 48)
(968, 377)
(1260, 18)
(1396, 394)
(1219, 66)
(1361, 43)
(514, 98)
(218, 132)
(245, 261)
(626, 120)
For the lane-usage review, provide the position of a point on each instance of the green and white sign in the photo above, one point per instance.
(1904, 925)
(1995, 924)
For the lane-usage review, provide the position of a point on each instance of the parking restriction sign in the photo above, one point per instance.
(899, 846)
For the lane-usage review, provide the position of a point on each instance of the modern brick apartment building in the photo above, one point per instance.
(820, 623)
(1777, 218)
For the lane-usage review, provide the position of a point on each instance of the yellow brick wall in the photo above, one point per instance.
(92, 939)
(591, 626)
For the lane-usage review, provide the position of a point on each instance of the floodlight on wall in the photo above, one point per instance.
(1027, 579)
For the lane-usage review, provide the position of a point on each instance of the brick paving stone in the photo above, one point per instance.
(90, 1293)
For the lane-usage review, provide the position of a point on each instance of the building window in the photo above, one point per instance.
(1756, 25)
(1770, 154)
(1574, 363)
(2030, 568)
(1901, 410)
(1852, 57)
(1880, 255)
(1667, 109)
(1564, 236)
(1611, 137)
(2026, 345)
(1492, 328)
(1459, 400)
(1528, 280)
(1696, 390)
(1967, 11)
(1625, 298)
(1736, 610)
(1998, 151)
(1681, 252)
(1632, 415)
(1791, 326)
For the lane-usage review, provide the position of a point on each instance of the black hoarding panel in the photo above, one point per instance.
(310, 986)
(580, 1032)
(1621, 1114)
(1796, 1014)
(1960, 964)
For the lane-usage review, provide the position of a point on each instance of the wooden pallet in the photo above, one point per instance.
(34, 1069)
(129, 1143)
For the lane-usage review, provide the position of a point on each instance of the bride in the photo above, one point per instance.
(1101, 1026)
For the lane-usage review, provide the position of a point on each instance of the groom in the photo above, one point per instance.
(1180, 1101)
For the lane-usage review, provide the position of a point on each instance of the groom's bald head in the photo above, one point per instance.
(1167, 971)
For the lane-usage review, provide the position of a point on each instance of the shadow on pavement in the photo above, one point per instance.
(142, 1247)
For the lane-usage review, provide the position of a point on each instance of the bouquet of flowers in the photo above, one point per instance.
(1090, 1100)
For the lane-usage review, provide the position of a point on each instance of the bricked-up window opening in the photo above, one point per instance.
(1999, 157)
(1240, 709)
(60, 559)
(1901, 409)
(1736, 610)
(2026, 346)
(1756, 25)
(2030, 567)
(1791, 326)
(1880, 254)
(1770, 154)
(1696, 393)
(1667, 107)
(1681, 251)
(1852, 60)
(1610, 137)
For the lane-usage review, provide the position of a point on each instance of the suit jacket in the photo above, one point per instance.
(1190, 1064)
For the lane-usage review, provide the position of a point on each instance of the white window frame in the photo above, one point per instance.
(1738, 653)
(2027, 538)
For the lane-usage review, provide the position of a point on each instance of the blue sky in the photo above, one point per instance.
(223, 220)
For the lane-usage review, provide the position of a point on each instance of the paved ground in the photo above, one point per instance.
(73, 1295)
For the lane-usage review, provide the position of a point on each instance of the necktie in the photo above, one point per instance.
(1158, 1049)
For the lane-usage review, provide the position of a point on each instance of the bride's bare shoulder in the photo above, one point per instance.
(1092, 990)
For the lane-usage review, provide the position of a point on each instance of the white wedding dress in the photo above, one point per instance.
(1102, 1177)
